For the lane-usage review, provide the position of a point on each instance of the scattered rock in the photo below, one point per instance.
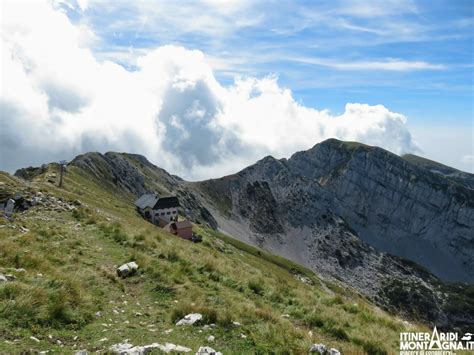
(236, 324)
(286, 316)
(3, 278)
(18, 270)
(128, 349)
(98, 314)
(318, 348)
(206, 350)
(304, 279)
(127, 269)
(323, 350)
(9, 207)
(211, 338)
(180, 348)
(243, 336)
(35, 339)
(81, 352)
(190, 319)
(121, 348)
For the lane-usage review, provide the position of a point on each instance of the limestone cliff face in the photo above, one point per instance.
(395, 205)
(390, 203)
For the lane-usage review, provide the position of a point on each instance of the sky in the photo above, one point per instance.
(205, 88)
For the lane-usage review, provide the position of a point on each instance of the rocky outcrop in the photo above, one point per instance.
(15, 199)
(112, 168)
(31, 172)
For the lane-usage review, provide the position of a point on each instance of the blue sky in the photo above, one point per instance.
(412, 58)
(328, 52)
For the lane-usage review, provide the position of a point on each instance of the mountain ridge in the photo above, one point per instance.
(292, 207)
(328, 171)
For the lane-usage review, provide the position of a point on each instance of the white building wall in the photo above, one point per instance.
(166, 213)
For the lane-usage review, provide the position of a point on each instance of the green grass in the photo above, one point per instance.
(69, 261)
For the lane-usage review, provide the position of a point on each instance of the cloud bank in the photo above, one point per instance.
(58, 100)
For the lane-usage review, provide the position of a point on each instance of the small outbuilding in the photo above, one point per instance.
(184, 229)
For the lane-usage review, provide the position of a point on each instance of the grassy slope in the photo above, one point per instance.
(70, 275)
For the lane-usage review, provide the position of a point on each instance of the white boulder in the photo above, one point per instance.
(127, 269)
(190, 319)
(318, 348)
(206, 350)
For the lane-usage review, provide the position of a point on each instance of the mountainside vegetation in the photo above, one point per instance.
(61, 255)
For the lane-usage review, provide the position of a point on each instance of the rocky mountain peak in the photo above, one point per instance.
(389, 202)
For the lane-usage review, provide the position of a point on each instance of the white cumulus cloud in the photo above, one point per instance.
(58, 100)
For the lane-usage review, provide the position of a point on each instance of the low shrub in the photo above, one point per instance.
(172, 256)
(225, 320)
(336, 332)
(114, 231)
(55, 303)
(313, 320)
(256, 286)
(370, 347)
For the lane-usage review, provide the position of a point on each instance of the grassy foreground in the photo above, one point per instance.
(64, 262)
